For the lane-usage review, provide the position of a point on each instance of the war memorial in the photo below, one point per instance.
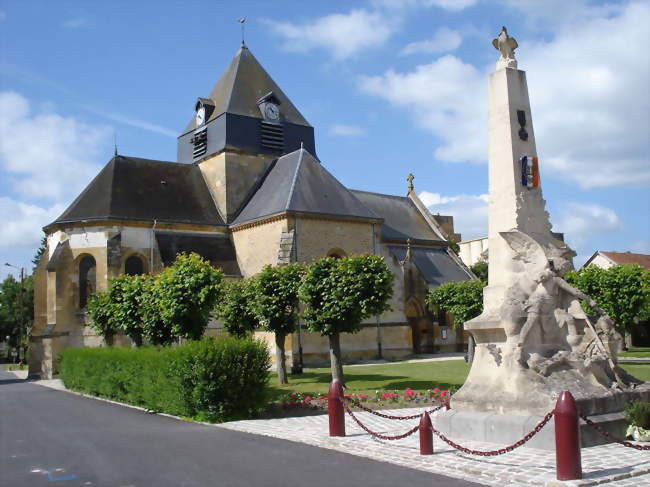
(533, 339)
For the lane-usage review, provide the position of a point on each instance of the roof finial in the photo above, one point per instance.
(410, 179)
(115, 143)
(242, 21)
(302, 145)
(407, 257)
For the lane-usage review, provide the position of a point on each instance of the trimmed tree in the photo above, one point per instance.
(339, 294)
(276, 305)
(99, 309)
(179, 302)
(622, 291)
(236, 308)
(127, 294)
(464, 299)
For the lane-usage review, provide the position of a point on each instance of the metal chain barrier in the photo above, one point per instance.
(611, 437)
(378, 435)
(387, 416)
(500, 451)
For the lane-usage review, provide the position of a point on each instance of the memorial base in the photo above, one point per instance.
(505, 429)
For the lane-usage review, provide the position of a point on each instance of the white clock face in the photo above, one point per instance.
(271, 111)
(200, 116)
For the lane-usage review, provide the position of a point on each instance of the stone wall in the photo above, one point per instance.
(257, 245)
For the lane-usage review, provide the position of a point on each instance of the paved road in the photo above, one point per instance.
(53, 438)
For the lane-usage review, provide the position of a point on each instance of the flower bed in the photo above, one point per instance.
(297, 403)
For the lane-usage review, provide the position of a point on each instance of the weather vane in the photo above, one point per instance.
(242, 21)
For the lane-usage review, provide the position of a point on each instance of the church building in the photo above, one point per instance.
(247, 190)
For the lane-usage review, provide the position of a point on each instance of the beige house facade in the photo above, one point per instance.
(247, 190)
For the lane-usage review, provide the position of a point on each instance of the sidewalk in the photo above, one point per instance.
(613, 464)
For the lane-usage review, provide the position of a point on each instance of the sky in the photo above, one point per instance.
(391, 87)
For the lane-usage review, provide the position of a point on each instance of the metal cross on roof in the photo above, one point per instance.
(242, 21)
(410, 179)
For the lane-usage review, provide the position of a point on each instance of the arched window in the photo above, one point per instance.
(133, 266)
(87, 279)
(336, 253)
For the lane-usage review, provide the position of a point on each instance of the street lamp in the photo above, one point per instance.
(20, 303)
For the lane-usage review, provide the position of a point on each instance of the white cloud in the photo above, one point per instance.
(470, 212)
(48, 156)
(590, 104)
(74, 23)
(444, 40)
(447, 98)
(588, 89)
(581, 222)
(347, 130)
(342, 34)
(451, 5)
(23, 222)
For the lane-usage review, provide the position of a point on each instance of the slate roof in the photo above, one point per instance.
(402, 219)
(217, 249)
(240, 87)
(434, 263)
(130, 188)
(298, 182)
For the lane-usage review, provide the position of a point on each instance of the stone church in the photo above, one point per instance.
(247, 190)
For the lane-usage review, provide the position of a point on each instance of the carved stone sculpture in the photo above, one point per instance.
(506, 45)
(533, 340)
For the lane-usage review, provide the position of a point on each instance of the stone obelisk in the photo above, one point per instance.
(533, 340)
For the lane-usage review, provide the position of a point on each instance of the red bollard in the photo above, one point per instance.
(426, 435)
(335, 408)
(567, 438)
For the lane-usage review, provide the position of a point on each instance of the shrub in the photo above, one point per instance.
(637, 413)
(212, 379)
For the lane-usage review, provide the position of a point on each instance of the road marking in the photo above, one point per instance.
(52, 478)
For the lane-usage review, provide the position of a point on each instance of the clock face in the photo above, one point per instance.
(200, 116)
(271, 111)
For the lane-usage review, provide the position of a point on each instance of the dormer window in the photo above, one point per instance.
(269, 106)
(204, 108)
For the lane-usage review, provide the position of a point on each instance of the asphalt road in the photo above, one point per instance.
(50, 437)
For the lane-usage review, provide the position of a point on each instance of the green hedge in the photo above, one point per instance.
(211, 380)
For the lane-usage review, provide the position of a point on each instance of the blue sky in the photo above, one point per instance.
(391, 87)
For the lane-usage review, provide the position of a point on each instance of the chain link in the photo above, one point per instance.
(378, 435)
(500, 451)
(611, 437)
(387, 416)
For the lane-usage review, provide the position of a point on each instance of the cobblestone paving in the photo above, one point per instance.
(612, 464)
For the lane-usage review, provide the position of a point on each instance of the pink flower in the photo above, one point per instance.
(443, 393)
(436, 390)
(408, 392)
(362, 396)
(307, 399)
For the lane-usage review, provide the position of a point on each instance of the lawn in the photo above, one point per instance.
(419, 376)
(366, 379)
(640, 352)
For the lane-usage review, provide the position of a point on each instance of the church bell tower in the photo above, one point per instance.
(244, 124)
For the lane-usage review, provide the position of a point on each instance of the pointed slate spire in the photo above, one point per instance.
(242, 85)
